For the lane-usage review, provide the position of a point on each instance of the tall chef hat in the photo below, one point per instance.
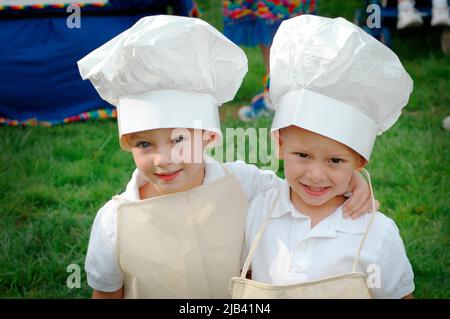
(332, 78)
(166, 72)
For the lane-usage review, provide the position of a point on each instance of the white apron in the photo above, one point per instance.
(182, 245)
(349, 285)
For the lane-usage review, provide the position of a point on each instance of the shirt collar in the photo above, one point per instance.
(284, 205)
(328, 226)
(132, 190)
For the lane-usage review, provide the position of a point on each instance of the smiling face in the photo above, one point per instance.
(317, 168)
(170, 159)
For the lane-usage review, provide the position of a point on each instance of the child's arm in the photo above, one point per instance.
(96, 294)
(101, 265)
(252, 179)
(359, 203)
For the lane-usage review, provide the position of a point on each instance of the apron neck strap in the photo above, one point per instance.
(258, 236)
(373, 212)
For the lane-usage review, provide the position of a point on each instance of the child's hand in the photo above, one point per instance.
(359, 202)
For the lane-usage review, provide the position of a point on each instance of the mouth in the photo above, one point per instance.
(168, 176)
(315, 191)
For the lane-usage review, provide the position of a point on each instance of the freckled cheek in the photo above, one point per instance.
(294, 165)
(293, 171)
(191, 170)
(144, 162)
(187, 153)
(342, 179)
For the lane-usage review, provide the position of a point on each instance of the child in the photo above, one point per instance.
(410, 17)
(177, 230)
(334, 88)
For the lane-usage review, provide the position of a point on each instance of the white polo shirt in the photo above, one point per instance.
(101, 265)
(290, 251)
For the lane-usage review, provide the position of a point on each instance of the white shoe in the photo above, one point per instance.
(445, 42)
(409, 18)
(446, 123)
(440, 16)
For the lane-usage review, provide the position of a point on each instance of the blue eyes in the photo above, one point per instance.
(144, 144)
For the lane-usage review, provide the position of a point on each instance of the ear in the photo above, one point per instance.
(279, 144)
(210, 137)
(361, 164)
(125, 142)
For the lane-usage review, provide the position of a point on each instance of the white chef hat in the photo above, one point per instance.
(331, 77)
(166, 72)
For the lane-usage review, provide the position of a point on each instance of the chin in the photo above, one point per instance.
(167, 190)
(312, 202)
(307, 199)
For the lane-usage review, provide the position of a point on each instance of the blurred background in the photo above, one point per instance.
(60, 158)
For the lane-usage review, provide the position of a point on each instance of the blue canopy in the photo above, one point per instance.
(39, 77)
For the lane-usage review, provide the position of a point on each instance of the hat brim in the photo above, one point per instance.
(167, 109)
(328, 117)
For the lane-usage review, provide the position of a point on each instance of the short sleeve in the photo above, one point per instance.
(101, 265)
(396, 274)
(255, 218)
(252, 179)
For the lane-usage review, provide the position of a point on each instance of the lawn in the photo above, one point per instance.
(53, 180)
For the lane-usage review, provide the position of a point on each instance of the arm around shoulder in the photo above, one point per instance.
(253, 179)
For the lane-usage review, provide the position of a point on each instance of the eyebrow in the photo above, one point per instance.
(301, 149)
(138, 136)
(341, 154)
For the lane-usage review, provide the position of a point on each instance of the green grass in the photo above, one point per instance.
(53, 180)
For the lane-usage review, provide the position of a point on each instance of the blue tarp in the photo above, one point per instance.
(39, 77)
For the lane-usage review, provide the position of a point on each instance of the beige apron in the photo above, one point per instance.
(349, 285)
(182, 245)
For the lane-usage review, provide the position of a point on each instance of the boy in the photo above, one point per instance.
(174, 232)
(334, 88)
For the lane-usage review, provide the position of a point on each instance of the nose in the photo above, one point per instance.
(316, 173)
(163, 157)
